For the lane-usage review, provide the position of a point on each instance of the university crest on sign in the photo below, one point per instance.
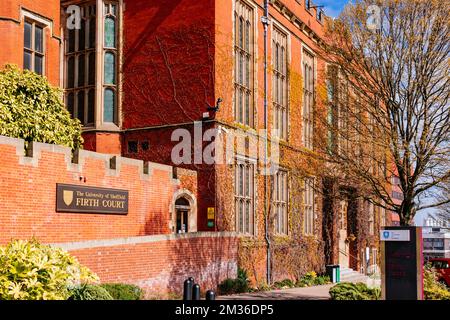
(68, 197)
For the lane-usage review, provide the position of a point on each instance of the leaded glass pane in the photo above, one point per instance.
(39, 39)
(110, 32)
(82, 36)
(91, 71)
(27, 60)
(81, 68)
(27, 35)
(38, 64)
(80, 104)
(71, 40)
(109, 105)
(70, 103)
(110, 68)
(71, 72)
(92, 33)
(91, 106)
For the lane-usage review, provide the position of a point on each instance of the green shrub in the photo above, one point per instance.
(121, 291)
(321, 280)
(238, 285)
(31, 271)
(432, 289)
(312, 279)
(354, 291)
(89, 292)
(286, 283)
(31, 109)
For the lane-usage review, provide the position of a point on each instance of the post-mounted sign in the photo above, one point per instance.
(81, 199)
(401, 263)
(394, 235)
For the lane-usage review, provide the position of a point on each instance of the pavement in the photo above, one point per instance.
(307, 293)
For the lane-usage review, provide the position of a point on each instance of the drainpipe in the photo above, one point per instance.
(265, 22)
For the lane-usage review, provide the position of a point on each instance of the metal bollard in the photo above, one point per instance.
(187, 289)
(196, 292)
(210, 295)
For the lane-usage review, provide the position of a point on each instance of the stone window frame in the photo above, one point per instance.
(308, 206)
(244, 14)
(371, 219)
(43, 23)
(245, 195)
(309, 81)
(280, 202)
(72, 87)
(100, 50)
(280, 38)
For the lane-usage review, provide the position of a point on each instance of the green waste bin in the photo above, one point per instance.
(334, 272)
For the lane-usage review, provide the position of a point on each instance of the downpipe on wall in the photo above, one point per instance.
(265, 22)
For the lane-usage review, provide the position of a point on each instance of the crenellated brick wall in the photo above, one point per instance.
(134, 248)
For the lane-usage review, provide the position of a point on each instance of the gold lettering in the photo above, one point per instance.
(113, 204)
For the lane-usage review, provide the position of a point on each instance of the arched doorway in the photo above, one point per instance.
(182, 210)
(344, 250)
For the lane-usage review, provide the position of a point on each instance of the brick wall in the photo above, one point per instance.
(28, 194)
(160, 264)
(12, 33)
(136, 248)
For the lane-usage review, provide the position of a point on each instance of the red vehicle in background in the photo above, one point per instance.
(442, 266)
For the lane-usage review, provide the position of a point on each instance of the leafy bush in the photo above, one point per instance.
(121, 291)
(354, 291)
(307, 280)
(31, 109)
(238, 285)
(31, 271)
(321, 280)
(312, 279)
(286, 283)
(433, 290)
(89, 292)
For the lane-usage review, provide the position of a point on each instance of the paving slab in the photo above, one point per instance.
(307, 293)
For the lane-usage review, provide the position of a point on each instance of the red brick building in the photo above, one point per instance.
(134, 71)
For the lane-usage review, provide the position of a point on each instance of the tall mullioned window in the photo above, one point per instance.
(308, 206)
(279, 86)
(33, 47)
(244, 195)
(280, 202)
(87, 48)
(243, 55)
(308, 99)
(110, 63)
(81, 67)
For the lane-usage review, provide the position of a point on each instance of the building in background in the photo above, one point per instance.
(436, 237)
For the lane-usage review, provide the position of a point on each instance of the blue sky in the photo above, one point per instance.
(332, 7)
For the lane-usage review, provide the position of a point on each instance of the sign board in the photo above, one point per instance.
(402, 263)
(394, 235)
(211, 213)
(211, 217)
(81, 199)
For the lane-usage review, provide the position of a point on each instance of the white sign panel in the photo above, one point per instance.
(394, 235)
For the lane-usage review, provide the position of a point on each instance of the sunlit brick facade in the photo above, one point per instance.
(136, 70)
